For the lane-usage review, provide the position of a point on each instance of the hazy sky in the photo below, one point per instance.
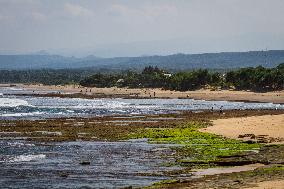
(181, 25)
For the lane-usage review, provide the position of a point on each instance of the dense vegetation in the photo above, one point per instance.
(257, 79)
(44, 76)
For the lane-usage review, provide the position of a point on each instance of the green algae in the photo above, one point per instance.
(164, 183)
(197, 147)
(274, 168)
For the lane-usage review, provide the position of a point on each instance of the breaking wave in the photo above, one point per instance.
(9, 102)
(21, 114)
(25, 158)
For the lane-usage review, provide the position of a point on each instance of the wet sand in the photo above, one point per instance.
(223, 170)
(203, 94)
(270, 127)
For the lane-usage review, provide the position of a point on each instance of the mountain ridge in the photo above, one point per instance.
(180, 61)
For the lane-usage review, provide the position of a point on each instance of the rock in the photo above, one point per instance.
(233, 163)
(64, 175)
(85, 163)
(250, 141)
(251, 136)
(128, 187)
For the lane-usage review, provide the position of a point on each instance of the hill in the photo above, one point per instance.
(224, 60)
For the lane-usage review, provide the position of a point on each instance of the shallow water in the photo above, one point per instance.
(112, 164)
(54, 165)
(19, 107)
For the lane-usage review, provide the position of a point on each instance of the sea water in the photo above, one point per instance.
(27, 107)
(28, 164)
(57, 165)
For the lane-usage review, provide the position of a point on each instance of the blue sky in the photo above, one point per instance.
(138, 27)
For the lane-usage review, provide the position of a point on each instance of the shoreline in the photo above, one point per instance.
(110, 128)
(116, 128)
(75, 91)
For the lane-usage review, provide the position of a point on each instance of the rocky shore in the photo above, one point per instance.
(195, 150)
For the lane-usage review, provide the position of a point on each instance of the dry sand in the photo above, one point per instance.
(271, 125)
(274, 184)
(204, 94)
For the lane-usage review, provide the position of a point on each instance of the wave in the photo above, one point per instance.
(9, 102)
(21, 114)
(19, 144)
(101, 104)
(25, 158)
(14, 89)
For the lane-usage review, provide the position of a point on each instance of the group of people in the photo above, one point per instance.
(220, 109)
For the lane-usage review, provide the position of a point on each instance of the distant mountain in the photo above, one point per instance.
(224, 60)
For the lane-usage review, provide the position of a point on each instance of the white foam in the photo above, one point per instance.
(25, 158)
(101, 104)
(9, 102)
(19, 144)
(21, 114)
(15, 89)
(57, 133)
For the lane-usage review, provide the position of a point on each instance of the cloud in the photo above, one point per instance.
(145, 11)
(77, 10)
(4, 17)
(43, 24)
(38, 16)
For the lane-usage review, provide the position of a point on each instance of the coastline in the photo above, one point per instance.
(76, 91)
(119, 128)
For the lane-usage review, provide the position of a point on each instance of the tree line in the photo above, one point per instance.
(44, 76)
(255, 79)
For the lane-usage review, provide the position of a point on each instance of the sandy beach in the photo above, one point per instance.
(274, 184)
(203, 94)
(263, 124)
(268, 127)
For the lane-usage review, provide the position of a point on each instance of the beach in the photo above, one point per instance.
(270, 127)
(202, 94)
(188, 148)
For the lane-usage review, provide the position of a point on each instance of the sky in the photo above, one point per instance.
(140, 27)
